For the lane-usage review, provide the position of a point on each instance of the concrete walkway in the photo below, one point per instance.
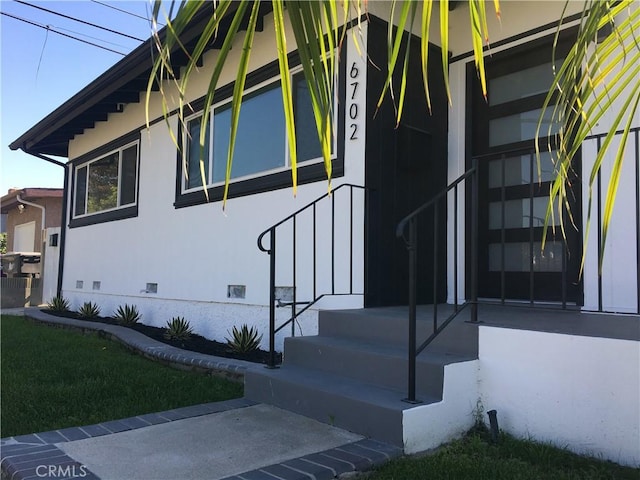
(236, 439)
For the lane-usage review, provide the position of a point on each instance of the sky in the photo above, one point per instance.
(40, 70)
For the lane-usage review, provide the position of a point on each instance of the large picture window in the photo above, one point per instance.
(107, 183)
(261, 145)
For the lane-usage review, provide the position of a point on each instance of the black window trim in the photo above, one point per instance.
(271, 180)
(119, 213)
(252, 92)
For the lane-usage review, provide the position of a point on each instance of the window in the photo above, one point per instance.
(194, 178)
(107, 183)
(261, 145)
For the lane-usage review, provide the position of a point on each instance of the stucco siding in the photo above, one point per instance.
(194, 253)
(578, 392)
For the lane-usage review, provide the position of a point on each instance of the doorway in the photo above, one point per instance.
(514, 188)
(406, 166)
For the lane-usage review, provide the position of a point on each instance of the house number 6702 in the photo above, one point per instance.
(354, 73)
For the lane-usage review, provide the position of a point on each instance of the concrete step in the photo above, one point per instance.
(390, 326)
(370, 362)
(360, 407)
(354, 373)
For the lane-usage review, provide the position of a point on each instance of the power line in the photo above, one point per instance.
(78, 20)
(80, 34)
(50, 29)
(125, 11)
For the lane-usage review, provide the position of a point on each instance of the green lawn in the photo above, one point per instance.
(475, 458)
(53, 378)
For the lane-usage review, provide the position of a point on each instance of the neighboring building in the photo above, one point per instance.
(26, 210)
(141, 230)
(33, 219)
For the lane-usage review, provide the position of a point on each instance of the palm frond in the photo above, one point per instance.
(597, 77)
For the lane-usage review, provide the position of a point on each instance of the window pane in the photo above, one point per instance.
(260, 140)
(128, 175)
(517, 257)
(81, 191)
(194, 172)
(519, 127)
(517, 170)
(307, 143)
(516, 213)
(103, 184)
(521, 84)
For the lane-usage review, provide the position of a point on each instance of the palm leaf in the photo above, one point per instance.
(394, 43)
(287, 96)
(444, 41)
(405, 67)
(238, 91)
(318, 77)
(427, 7)
(592, 80)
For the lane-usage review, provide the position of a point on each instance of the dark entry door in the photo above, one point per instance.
(514, 189)
(406, 165)
(413, 177)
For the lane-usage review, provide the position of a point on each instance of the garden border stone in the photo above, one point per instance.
(229, 368)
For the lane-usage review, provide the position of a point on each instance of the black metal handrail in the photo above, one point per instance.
(412, 245)
(634, 146)
(316, 296)
(503, 155)
(634, 133)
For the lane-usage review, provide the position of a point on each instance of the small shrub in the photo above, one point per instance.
(178, 329)
(244, 340)
(58, 304)
(89, 310)
(127, 315)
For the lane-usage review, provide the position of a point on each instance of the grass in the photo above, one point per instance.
(54, 378)
(475, 458)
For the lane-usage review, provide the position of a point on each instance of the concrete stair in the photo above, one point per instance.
(354, 373)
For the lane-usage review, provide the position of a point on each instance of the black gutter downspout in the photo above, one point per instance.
(63, 222)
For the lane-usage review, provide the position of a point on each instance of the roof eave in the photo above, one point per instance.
(135, 65)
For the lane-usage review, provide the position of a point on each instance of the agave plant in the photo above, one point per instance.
(127, 315)
(244, 340)
(178, 329)
(58, 304)
(88, 310)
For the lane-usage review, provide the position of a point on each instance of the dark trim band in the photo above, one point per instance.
(520, 36)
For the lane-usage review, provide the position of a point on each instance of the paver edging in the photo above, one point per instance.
(21, 456)
(338, 462)
(139, 343)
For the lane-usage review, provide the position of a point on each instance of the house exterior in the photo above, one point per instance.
(140, 229)
(33, 219)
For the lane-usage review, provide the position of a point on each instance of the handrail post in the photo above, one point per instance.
(474, 241)
(413, 265)
(272, 299)
(435, 267)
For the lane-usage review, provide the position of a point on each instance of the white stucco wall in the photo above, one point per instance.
(194, 253)
(582, 393)
(619, 278)
(50, 267)
(429, 426)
